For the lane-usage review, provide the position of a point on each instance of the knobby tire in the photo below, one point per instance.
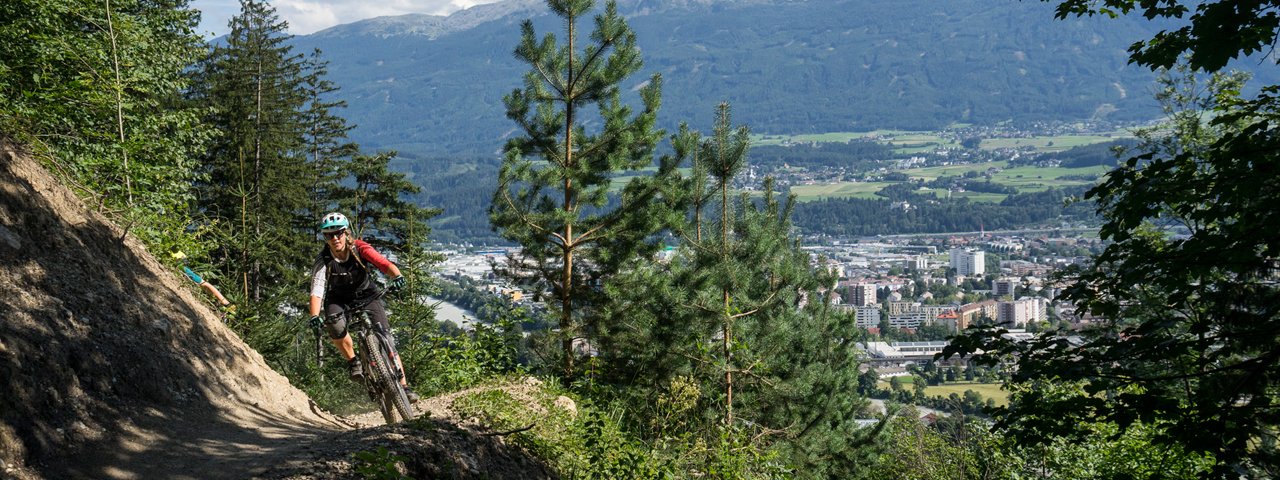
(394, 401)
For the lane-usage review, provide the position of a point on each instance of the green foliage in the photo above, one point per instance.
(555, 177)
(916, 451)
(379, 464)
(324, 136)
(378, 204)
(1212, 34)
(465, 359)
(1186, 283)
(733, 334)
(587, 444)
(254, 176)
(94, 90)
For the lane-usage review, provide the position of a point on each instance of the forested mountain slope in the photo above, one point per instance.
(425, 84)
(112, 368)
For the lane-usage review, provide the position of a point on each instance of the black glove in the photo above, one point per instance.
(396, 284)
(315, 322)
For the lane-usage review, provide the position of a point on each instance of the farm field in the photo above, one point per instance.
(1055, 143)
(806, 193)
(932, 173)
(1025, 179)
(1035, 179)
(912, 142)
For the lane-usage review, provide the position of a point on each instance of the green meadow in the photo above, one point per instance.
(1056, 143)
(805, 193)
(1025, 179)
(913, 142)
(987, 390)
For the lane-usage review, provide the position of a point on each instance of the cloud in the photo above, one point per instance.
(308, 16)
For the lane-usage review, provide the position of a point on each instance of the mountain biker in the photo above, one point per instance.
(340, 277)
(223, 304)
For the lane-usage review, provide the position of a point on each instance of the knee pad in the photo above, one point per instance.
(336, 326)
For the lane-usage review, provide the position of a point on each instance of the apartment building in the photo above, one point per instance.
(1020, 312)
(1005, 287)
(968, 261)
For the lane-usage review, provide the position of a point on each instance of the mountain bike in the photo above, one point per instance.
(376, 351)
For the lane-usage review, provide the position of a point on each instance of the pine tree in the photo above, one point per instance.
(555, 179)
(739, 311)
(257, 170)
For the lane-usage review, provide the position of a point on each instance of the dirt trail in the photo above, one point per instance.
(110, 367)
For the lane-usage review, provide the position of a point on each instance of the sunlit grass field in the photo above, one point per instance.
(1055, 143)
(912, 142)
(987, 390)
(806, 193)
(1025, 179)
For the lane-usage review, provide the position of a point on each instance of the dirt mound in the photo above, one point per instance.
(112, 368)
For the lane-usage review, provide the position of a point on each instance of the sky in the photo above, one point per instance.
(309, 16)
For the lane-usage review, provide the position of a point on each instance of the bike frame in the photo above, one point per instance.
(381, 378)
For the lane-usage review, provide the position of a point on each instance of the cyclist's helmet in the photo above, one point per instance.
(334, 222)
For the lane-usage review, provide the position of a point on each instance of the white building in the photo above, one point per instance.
(867, 317)
(1003, 287)
(1019, 312)
(968, 261)
(861, 294)
(919, 262)
(909, 319)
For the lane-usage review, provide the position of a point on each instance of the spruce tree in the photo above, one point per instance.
(556, 176)
(378, 206)
(257, 170)
(325, 135)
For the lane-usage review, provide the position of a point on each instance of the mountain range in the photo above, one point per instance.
(433, 85)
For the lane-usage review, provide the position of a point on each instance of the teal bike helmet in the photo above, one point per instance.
(334, 222)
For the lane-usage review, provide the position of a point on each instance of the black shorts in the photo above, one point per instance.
(336, 319)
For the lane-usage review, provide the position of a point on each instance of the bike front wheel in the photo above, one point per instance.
(394, 402)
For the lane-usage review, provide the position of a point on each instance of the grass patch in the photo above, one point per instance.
(583, 443)
(1056, 143)
(932, 173)
(1035, 179)
(1025, 179)
(807, 193)
(987, 390)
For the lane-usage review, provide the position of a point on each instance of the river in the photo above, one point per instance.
(461, 317)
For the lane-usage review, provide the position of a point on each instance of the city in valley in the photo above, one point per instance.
(908, 292)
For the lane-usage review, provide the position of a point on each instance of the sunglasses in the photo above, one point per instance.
(331, 235)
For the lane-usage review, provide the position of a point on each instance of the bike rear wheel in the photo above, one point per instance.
(394, 402)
